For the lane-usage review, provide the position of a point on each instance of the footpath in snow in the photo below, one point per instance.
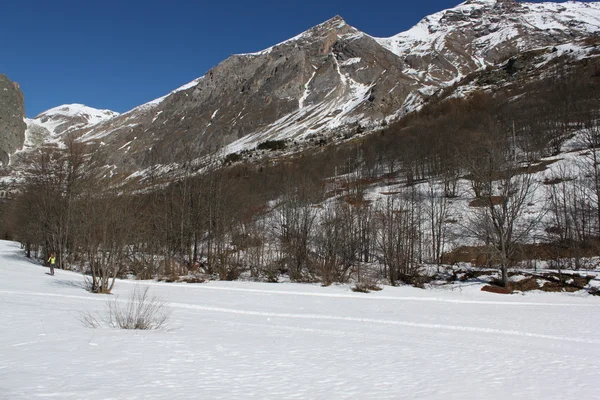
(240, 340)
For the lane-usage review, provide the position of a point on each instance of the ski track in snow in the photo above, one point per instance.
(366, 297)
(353, 319)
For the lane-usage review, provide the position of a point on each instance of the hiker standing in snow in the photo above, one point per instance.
(51, 263)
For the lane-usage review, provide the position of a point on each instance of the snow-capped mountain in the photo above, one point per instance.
(328, 82)
(56, 123)
(477, 33)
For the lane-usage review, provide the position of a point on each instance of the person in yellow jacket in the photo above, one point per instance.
(52, 263)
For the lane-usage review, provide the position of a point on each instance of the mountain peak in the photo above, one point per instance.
(76, 109)
(330, 30)
(335, 25)
(336, 21)
(66, 117)
(491, 2)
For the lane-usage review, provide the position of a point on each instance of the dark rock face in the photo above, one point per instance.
(12, 114)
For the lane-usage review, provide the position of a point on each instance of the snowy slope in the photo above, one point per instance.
(233, 340)
(53, 124)
(485, 28)
(49, 118)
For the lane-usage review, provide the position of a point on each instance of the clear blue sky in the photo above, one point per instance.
(120, 54)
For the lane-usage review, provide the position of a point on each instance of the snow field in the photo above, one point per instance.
(234, 340)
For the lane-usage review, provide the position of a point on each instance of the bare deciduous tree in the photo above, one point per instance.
(501, 218)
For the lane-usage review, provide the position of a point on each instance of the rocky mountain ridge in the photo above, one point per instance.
(330, 81)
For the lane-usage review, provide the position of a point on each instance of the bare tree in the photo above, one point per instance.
(591, 165)
(399, 225)
(437, 210)
(295, 219)
(501, 218)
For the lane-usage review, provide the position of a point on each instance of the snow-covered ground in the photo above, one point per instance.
(241, 340)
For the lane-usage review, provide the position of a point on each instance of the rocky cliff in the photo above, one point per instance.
(12, 114)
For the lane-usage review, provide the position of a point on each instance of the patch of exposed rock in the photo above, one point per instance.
(12, 114)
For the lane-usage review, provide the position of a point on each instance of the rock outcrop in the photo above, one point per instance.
(12, 114)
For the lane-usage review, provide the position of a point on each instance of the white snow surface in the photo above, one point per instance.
(243, 340)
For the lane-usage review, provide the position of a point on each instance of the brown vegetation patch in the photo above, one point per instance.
(556, 181)
(245, 241)
(394, 182)
(485, 255)
(592, 41)
(471, 274)
(574, 281)
(192, 279)
(554, 283)
(541, 166)
(336, 192)
(479, 256)
(416, 280)
(525, 285)
(558, 250)
(555, 230)
(526, 170)
(389, 193)
(366, 287)
(485, 201)
(496, 289)
(557, 287)
(357, 202)
(367, 181)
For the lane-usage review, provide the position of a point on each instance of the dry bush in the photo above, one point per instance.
(141, 311)
(196, 278)
(89, 320)
(366, 287)
(93, 285)
(525, 285)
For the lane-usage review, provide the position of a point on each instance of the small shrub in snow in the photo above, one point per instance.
(366, 287)
(89, 320)
(140, 311)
